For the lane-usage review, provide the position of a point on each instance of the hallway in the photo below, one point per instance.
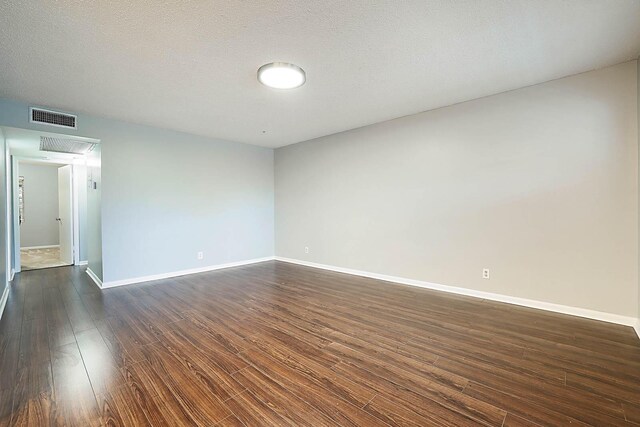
(35, 259)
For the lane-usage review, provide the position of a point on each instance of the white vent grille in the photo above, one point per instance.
(62, 145)
(53, 118)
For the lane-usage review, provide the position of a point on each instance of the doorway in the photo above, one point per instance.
(46, 220)
(50, 215)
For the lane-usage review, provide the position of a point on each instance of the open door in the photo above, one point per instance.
(65, 214)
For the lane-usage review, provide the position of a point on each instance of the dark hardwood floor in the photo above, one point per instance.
(280, 344)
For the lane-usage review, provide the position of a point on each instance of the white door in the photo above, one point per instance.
(65, 218)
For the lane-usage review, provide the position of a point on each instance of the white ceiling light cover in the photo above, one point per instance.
(281, 75)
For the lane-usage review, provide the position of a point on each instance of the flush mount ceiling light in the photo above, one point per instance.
(281, 75)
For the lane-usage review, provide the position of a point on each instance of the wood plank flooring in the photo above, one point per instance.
(285, 345)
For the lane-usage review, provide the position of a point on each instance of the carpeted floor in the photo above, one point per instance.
(33, 259)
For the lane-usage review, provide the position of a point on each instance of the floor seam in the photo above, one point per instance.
(369, 401)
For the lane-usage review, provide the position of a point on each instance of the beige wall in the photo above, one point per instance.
(539, 184)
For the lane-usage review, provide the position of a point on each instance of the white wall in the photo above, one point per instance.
(40, 227)
(539, 184)
(94, 212)
(168, 196)
(162, 196)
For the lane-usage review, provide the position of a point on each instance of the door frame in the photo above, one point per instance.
(65, 213)
(75, 207)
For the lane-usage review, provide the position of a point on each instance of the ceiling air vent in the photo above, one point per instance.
(65, 145)
(53, 118)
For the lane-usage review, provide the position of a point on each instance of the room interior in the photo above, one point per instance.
(323, 213)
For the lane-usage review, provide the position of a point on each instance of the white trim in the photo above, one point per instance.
(82, 263)
(141, 279)
(565, 309)
(15, 211)
(637, 327)
(75, 212)
(26, 248)
(65, 207)
(3, 301)
(35, 160)
(13, 274)
(8, 211)
(95, 278)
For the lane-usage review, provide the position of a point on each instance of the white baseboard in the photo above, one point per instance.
(82, 263)
(3, 301)
(141, 279)
(94, 277)
(565, 309)
(39, 247)
(13, 274)
(637, 327)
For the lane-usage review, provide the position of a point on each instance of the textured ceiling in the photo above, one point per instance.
(191, 65)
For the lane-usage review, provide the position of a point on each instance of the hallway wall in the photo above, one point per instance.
(4, 262)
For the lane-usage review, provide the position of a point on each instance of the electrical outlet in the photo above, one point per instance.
(200, 255)
(485, 273)
(306, 249)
